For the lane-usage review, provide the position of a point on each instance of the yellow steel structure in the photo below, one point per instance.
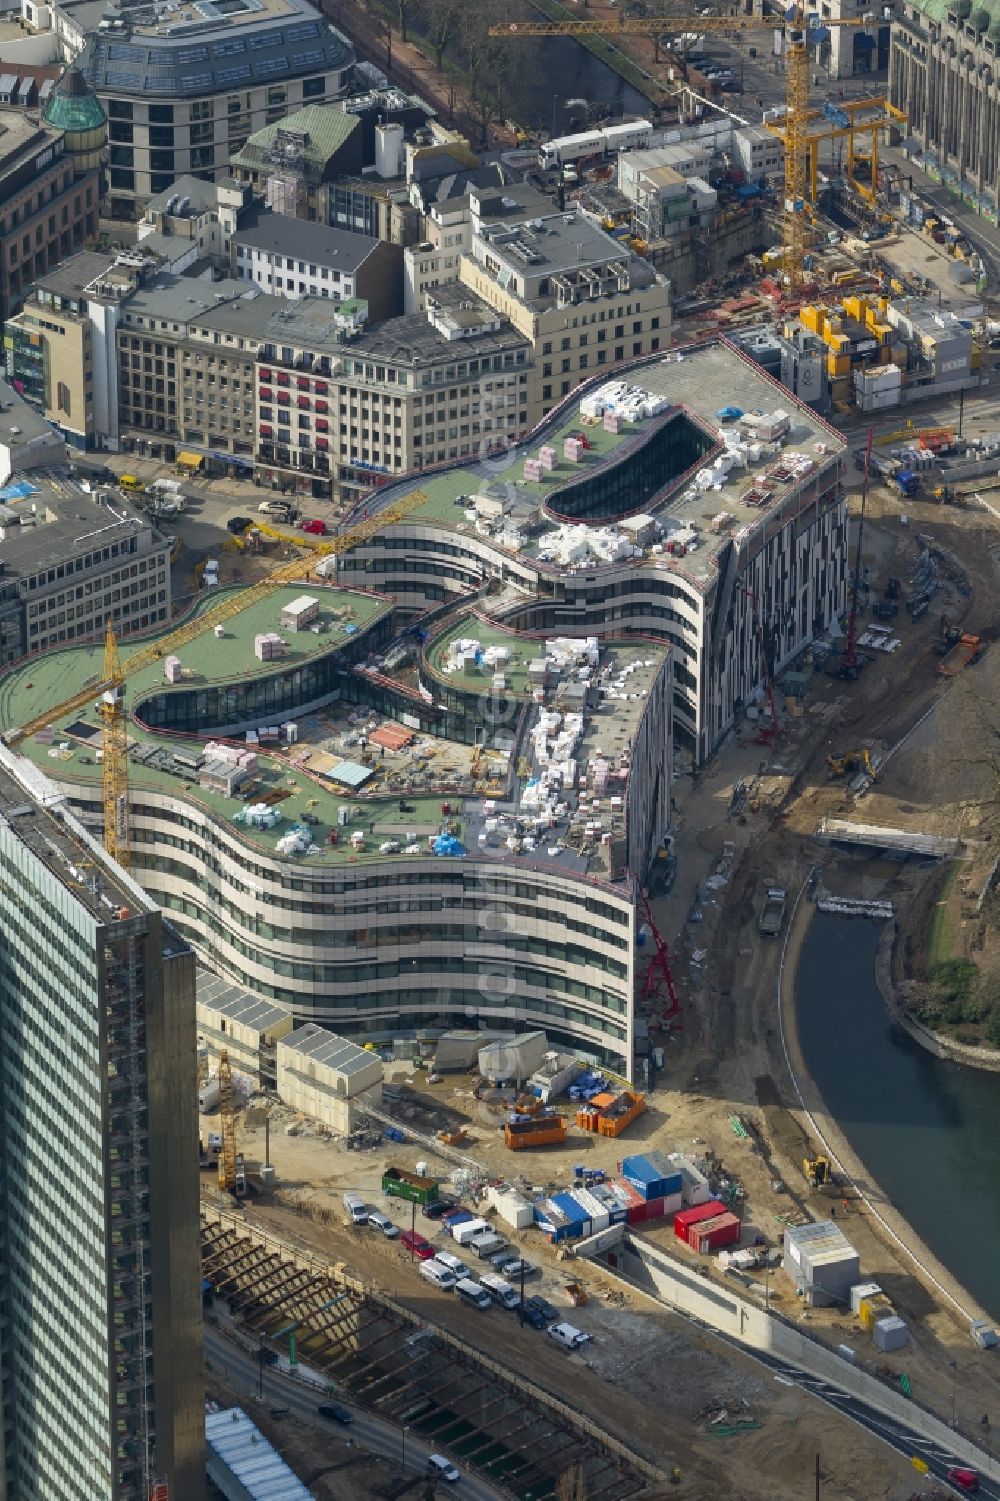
(866, 117)
(234, 604)
(115, 753)
(796, 23)
(227, 1115)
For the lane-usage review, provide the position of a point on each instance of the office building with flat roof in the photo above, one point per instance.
(72, 561)
(186, 82)
(100, 1267)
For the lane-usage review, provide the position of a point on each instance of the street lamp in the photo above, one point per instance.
(954, 1367)
(260, 1371)
(404, 1449)
(555, 100)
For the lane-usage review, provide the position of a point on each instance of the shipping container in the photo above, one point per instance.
(712, 1235)
(694, 1216)
(653, 1175)
(540, 1131)
(410, 1186)
(891, 1334)
(860, 1291)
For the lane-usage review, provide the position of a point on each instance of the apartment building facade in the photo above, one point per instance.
(74, 561)
(583, 301)
(100, 1273)
(295, 259)
(337, 415)
(48, 208)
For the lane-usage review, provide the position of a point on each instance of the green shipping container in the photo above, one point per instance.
(410, 1186)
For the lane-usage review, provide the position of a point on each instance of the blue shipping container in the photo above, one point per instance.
(650, 1178)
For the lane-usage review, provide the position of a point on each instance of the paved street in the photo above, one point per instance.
(370, 1432)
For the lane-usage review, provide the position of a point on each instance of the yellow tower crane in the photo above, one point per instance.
(801, 29)
(227, 1115)
(110, 689)
(115, 753)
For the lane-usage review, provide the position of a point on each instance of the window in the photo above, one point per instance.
(313, 88)
(619, 352)
(161, 114)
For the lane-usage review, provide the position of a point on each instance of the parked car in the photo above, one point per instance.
(516, 1269)
(502, 1259)
(442, 1469)
(533, 1316)
(334, 1412)
(274, 508)
(384, 1223)
(964, 1478)
(568, 1336)
(438, 1207)
(314, 527)
(238, 524)
(421, 1248)
(548, 1311)
(453, 1263)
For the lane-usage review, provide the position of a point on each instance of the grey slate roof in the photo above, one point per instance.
(231, 54)
(280, 234)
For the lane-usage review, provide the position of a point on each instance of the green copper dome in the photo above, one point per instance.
(74, 106)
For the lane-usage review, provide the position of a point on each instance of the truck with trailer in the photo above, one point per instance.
(635, 135)
(772, 914)
(399, 1184)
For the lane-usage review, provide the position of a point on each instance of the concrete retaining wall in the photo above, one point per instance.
(674, 1282)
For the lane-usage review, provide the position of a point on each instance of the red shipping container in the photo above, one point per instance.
(693, 1216)
(712, 1235)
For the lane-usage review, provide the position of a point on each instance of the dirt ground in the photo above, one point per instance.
(649, 1375)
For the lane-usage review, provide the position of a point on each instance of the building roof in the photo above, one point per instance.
(20, 424)
(203, 196)
(36, 812)
(237, 1446)
(73, 105)
(335, 1053)
(49, 526)
(280, 234)
(72, 277)
(303, 142)
(412, 340)
(820, 1242)
(237, 1004)
(199, 47)
(181, 299)
(20, 135)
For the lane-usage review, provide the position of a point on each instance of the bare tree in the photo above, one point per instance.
(487, 60)
(444, 22)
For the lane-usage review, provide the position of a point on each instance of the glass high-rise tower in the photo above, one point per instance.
(101, 1388)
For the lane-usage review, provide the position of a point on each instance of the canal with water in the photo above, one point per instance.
(927, 1130)
(553, 78)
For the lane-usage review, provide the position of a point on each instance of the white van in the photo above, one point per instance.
(356, 1208)
(488, 1245)
(470, 1230)
(501, 1292)
(452, 1262)
(440, 1276)
(473, 1292)
(567, 1336)
(442, 1469)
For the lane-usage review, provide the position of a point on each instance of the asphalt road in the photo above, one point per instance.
(906, 1440)
(370, 1432)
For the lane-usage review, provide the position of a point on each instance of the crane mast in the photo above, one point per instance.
(115, 753)
(227, 1114)
(800, 29)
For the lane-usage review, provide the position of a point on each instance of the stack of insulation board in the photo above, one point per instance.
(268, 647)
(655, 1177)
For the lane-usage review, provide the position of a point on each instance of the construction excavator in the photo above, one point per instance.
(851, 762)
(817, 1171)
